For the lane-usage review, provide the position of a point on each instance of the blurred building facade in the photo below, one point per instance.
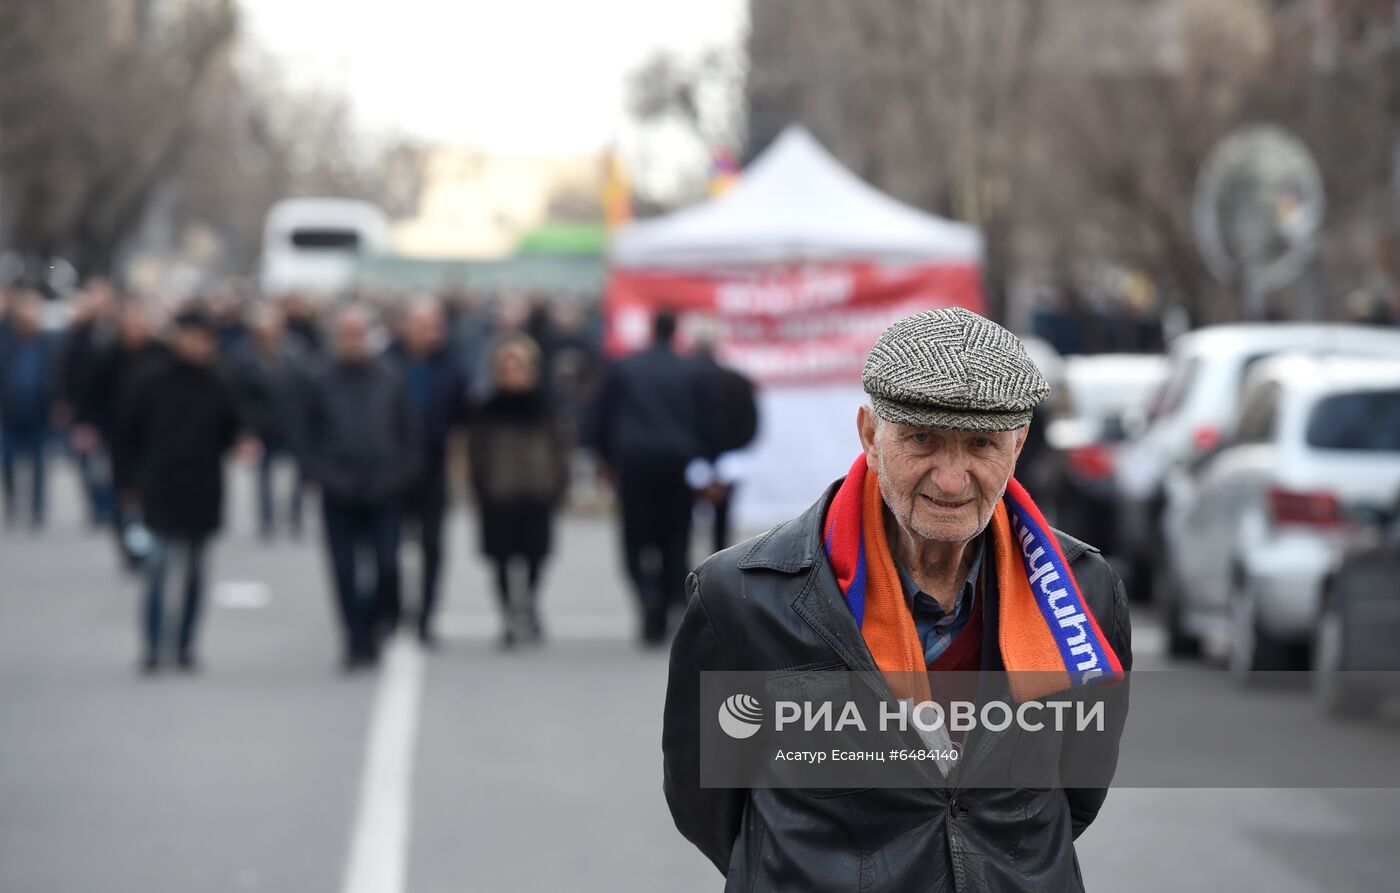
(477, 204)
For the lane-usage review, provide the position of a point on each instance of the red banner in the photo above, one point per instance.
(803, 324)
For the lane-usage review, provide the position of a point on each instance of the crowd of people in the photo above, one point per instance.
(376, 407)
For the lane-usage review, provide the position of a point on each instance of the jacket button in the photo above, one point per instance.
(955, 809)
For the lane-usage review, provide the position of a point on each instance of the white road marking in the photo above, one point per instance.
(378, 861)
(242, 594)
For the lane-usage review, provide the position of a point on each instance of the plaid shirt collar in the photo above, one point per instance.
(937, 628)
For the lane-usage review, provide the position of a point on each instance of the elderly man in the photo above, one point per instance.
(359, 443)
(920, 561)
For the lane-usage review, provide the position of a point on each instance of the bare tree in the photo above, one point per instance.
(928, 99)
(97, 105)
(108, 110)
(259, 143)
(699, 97)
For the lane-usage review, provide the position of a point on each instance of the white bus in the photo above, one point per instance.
(314, 245)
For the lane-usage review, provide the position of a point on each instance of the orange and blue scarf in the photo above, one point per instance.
(1049, 638)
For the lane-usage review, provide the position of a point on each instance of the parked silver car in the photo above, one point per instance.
(1195, 406)
(1253, 529)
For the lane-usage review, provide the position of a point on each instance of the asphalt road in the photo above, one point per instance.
(467, 769)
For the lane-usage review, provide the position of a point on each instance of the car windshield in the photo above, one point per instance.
(1174, 390)
(1363, 420)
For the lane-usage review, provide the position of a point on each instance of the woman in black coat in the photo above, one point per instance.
(520, 473)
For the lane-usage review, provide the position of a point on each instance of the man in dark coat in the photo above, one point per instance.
(654, 416)
(180, 421)
(98, 414)
(28, 389)
(303, 326)
(932, 581)
(735, 428)
(359, 443)
(269, 376)
(90, 338)
(436, 390)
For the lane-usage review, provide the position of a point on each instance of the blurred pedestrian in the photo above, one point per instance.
(269, 377)
(180, 421)
(227, 306)
(303, 325)
(655, 415)
(359, 444)
(28, 389)
(436, 389)
(520, 473)
(91, 335)
(135, 354)
(574, 366)
(736, 426)
(473, 329)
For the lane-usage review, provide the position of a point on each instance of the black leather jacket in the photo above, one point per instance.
(772, 603)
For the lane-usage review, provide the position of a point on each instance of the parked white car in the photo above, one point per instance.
(1252, 531)
(1195, 406)
(1091, 403)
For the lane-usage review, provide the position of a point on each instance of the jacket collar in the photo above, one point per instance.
(794, 544)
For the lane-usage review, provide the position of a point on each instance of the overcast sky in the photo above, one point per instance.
(517, 76)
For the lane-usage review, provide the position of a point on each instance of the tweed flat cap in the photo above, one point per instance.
(951, 368)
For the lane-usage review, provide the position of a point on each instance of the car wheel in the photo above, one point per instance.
(1180, 642)
(1252, 649)
(1334, 689)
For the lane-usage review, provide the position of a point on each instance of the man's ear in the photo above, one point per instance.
(1022, 435)
(866, 424)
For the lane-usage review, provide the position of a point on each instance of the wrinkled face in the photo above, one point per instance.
(939, 483)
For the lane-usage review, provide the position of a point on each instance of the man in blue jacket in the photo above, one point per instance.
(435, 388)
(27, 391)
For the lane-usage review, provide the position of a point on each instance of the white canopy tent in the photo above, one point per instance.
(794, 203)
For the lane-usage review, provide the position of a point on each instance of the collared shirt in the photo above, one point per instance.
(937, 628)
